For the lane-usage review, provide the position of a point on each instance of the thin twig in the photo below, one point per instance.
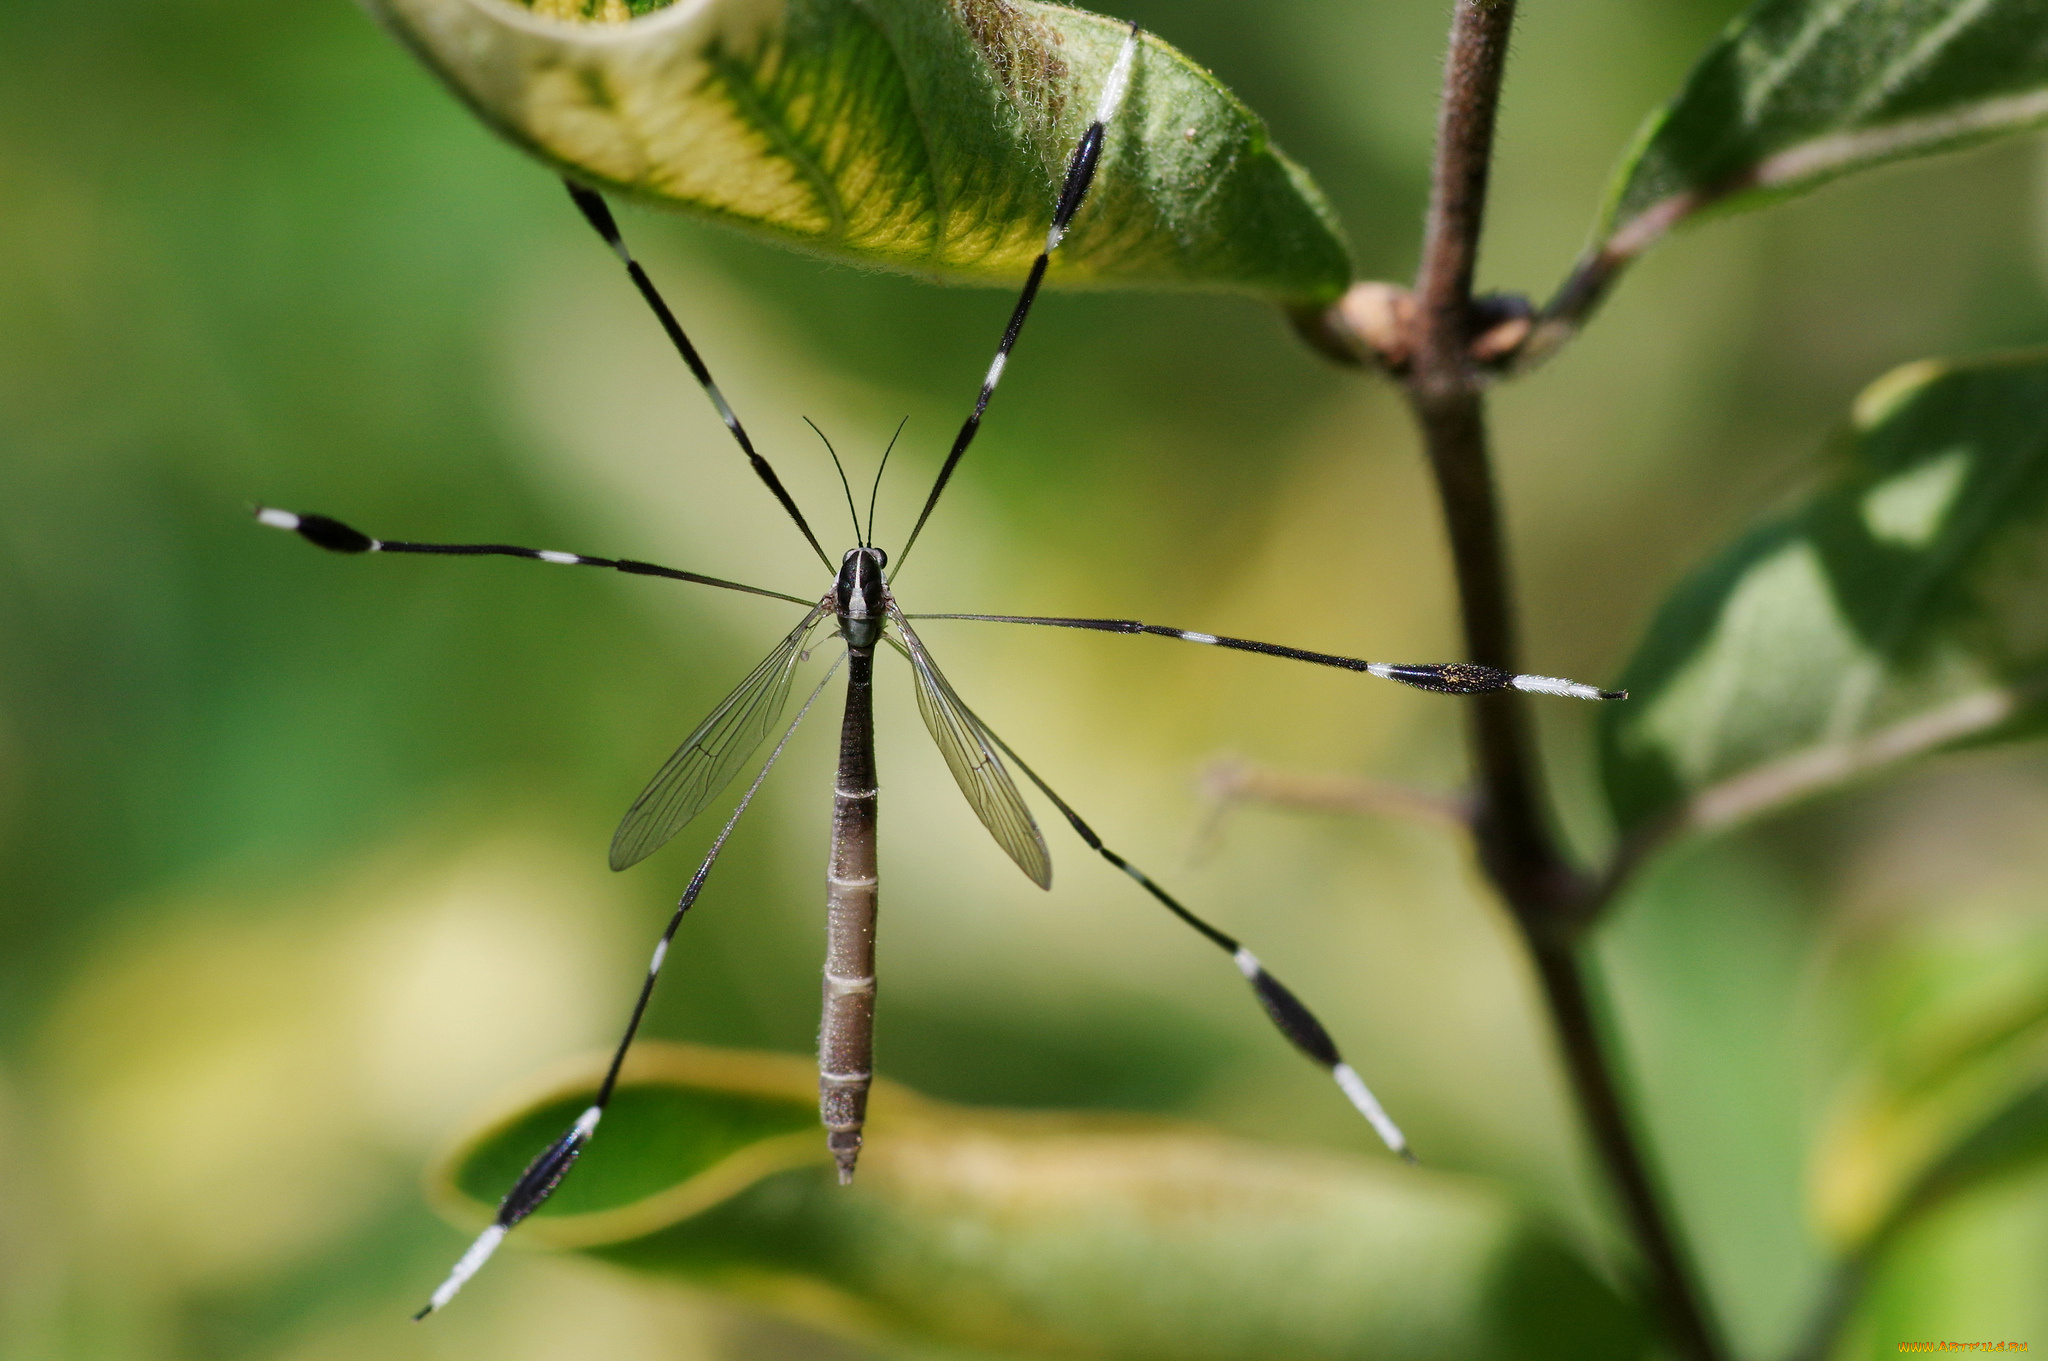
(1673, 1293)
(1229, 782)
(1594, 276)
(1549, 898)
(1597, 271)
(1767, 788)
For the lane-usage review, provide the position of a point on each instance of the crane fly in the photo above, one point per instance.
(861, 611)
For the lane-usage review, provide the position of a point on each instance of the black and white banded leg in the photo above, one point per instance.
(1073, 191)
(1288, 1013)
(546, 1171)
(337, 537)
(599, 215)
(1447, 678)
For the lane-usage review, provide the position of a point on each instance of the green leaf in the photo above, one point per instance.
(1035, 1234)
(1901, 610)
(914, 135)
(1796, 92)
(1706, 962)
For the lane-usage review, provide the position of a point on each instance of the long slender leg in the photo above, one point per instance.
(1073, 191)
(545, 1172)
(1289, 1015)
(846, 1030)
(1449, 678)
(337, 537)
(599, 216)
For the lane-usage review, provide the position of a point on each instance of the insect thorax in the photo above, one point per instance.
(860, 597)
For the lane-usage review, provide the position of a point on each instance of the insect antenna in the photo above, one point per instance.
(1080, 174)
(876, 489)
(599, 215)
(844, 485)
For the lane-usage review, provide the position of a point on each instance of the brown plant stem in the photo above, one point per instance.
(1674, 1295)
(1549, 898)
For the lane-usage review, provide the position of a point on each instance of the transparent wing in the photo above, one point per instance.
(710, 756)
(971, 756)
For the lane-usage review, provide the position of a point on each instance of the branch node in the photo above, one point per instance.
(1501, 323)
(1381, 318)
(1371, 326)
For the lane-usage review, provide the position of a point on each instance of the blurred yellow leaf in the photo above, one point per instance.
(1954, 1088)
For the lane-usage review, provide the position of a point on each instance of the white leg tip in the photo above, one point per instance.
(275, 518)
(1119, 79)
(1557, 685)
(1368, 1106)
(472, 1261)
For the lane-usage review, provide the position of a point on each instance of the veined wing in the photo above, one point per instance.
(971, 755)
(710, 756)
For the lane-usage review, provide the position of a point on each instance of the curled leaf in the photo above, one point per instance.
(1036, 1234)
(914, 135)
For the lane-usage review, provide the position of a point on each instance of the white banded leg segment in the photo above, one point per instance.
(1282, 1007)
(725, 412)
(1073, 193)
(1081, 169)
(1558, 685)
(1368, 1106)
(332, 535)
(1119, 78)
(535, 1185)
(599, 214)
(1447, 678)
(1306, 1033)
(546, 1172)
(1469, 678)
(337, 537)
(472, 1261)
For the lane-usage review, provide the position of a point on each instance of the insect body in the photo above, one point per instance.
(861, 610)
(846, 1024)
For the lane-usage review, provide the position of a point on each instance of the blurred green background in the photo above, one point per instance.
(304, 856)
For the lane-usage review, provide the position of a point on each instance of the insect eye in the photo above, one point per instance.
(881, 558)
